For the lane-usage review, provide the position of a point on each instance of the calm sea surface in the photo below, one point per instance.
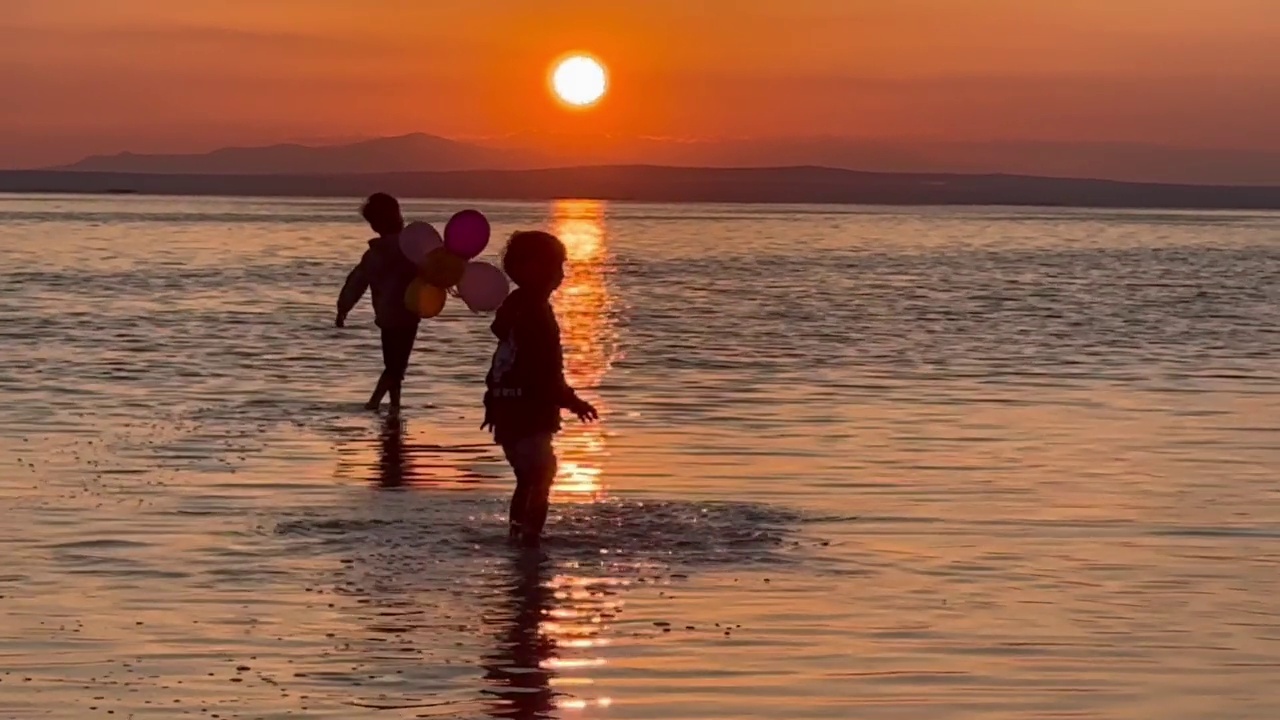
(857, 463)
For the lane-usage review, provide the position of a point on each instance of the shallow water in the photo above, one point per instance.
(854, 463)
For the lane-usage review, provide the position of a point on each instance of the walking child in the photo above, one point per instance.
(526, 387)
(386, 273)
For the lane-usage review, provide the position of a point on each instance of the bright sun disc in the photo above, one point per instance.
(579, 80)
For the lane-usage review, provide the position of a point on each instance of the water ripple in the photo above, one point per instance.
(873, 462)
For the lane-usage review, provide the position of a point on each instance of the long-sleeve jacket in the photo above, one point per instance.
(386, 273)
(526, 387)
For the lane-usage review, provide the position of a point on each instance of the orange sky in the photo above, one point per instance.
(81, 76)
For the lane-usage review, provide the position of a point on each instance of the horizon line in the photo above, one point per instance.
(70, 171)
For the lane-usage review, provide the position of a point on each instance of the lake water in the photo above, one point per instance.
(854, 463)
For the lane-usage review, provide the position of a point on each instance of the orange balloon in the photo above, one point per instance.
(411, 295)
(424, 299)
(442, 268)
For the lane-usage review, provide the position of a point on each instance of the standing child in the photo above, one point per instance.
(386, 273)
(526, 384)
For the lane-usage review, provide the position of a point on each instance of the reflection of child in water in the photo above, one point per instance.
(526, 384)
(386, 273)
(517, 668)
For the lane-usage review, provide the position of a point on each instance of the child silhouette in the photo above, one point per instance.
(526, 387)
(386, 273)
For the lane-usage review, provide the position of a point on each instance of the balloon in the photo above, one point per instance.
(442, 268)
(483, 287)
(466, 234)
(424, 299)
(417, 239)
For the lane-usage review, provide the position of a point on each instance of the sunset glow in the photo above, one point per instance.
(929, 85)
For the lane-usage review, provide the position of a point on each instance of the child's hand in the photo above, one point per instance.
(585, 411)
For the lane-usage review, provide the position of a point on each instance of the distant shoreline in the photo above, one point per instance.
(639, 183)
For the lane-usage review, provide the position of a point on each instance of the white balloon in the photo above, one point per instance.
(483, 287)
(417, 239)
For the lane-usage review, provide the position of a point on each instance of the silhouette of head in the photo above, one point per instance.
(382, 212)
(534, 260)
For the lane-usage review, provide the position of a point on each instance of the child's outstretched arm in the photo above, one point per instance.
(585, 411)
(569, 399)
(566, 396)
(538, 338)
(352, 290)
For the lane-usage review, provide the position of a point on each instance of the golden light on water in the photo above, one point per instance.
(584, 306)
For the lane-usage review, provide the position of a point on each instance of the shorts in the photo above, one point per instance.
(531, 456)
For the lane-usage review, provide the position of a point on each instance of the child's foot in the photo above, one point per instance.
(372, 406)
(513, 533)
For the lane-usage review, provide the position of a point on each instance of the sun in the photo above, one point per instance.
(579, 80)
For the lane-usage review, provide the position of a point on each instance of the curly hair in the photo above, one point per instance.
(529, 254)
(382, 212)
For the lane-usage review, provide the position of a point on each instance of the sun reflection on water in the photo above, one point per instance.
(584, 306)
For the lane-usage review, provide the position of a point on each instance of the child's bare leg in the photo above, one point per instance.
(529, 458)
(396, 385)
(543, 472)
(538, 507)
(519, 505)
(378, 392)
(397, 346)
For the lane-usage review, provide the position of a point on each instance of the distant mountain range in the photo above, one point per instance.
(394, 154)
(428, 153)
(671, 184)
(820, 170)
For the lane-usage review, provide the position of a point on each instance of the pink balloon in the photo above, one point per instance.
(417, 240)
(483, 287)
(466, 234)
